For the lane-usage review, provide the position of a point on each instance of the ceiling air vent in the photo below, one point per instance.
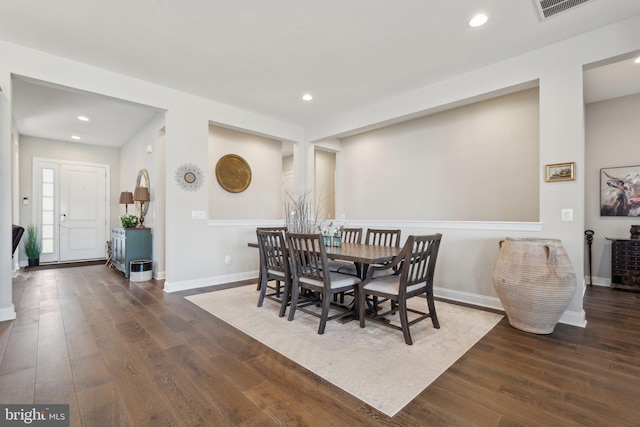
(549, 8)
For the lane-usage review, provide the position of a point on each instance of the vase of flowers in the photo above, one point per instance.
(331, 235)
(128, 220)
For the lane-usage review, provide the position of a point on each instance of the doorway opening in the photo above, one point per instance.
(70, 208)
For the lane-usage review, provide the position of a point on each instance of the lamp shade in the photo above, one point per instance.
(141, 194)
(126, 198)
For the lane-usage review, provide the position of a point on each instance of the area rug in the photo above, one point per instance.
(373, 364)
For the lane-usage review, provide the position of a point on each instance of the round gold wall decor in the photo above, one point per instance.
(233, 173)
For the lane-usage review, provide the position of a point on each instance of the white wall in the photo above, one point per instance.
(475, 163)
(263, 198)
(325, 183)
(196, 248)
(7, 309)
(192, 245)
(611, 137)
(134, 157)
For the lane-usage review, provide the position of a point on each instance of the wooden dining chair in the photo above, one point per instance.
(283, 230)
(417, 262)
(349, 235)
(310, 272)
(274, 266)
(382, 237)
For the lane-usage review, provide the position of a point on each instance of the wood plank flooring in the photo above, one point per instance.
(128, 354)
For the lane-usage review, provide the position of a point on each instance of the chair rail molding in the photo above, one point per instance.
(451, 225)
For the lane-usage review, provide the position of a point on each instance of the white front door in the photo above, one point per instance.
(72, 209)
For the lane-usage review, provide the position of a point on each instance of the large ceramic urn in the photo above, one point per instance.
(535, 282)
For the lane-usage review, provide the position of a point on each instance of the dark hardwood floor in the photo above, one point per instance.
(127, 354)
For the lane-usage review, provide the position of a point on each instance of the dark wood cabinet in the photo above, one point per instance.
(625, 264)
(129, 244)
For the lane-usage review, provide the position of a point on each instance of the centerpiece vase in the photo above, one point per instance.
(535, 282)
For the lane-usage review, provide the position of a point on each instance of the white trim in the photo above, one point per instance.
(598, 281)
(246, 223)
(15, 267)
(8, 313)
(208, 281)
(468, 298)
(160, 275)
(457, 225)
(572, 318)
(37, 163)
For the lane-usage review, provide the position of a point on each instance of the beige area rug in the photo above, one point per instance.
(373, 364)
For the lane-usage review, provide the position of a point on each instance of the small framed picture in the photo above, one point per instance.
(561, 172)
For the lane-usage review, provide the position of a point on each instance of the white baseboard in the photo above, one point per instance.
(599, 281)
(160, 275)
(468, 298)
(184, 285)
(7, 313)
(572, 318)
(569, 317)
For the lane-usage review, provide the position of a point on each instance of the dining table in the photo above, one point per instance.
(361, 254)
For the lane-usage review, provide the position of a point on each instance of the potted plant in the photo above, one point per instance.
(33, 246)
(129, 220)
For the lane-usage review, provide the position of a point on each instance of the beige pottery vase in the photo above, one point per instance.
(535, 282)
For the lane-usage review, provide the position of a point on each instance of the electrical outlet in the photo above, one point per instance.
(227, 259)
(567, 214)
(198, 215)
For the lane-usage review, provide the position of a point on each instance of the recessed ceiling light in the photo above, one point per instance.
(83, 118)
(75, 137)
(307, 97)
(637, 61)
(478, 20)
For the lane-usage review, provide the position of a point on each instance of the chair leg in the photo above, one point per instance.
(404, 321)
(294, 300)
(326, 304)
(286, 296)
(263, 289)
(360, 301)
(432, 310)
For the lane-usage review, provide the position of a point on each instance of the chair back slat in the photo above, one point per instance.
(352, 235)
(420, 254)
(381, 237)
(273, 250)
(308, 256)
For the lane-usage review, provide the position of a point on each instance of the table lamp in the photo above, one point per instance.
(141, 195)
(126, 198)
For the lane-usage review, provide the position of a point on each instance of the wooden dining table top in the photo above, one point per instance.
(363, 253)
(358, 252)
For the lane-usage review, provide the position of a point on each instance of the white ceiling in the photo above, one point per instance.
(263, 55)
(51, 112)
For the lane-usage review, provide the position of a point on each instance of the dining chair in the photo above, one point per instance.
(383, 237)
(309, 265)
(283, 230)
(417, 263)
(349, 235)
(274, 265)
